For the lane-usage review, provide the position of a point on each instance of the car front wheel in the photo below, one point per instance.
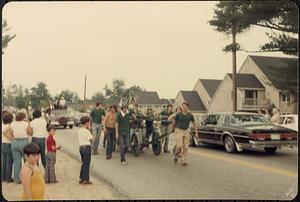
(229, 144)
(271, 150)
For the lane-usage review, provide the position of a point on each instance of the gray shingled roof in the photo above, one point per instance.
(164, 101)
(194, 100)
(247, 81)
(282, 72)
(148, 97)
(210, 85)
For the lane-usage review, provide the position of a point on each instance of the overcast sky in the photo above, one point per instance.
(160, 46)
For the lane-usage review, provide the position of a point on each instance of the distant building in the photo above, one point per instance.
(279, 77)
(250, 94)
(206, 89)
(150, 99)
(194, 100)
(172, 101)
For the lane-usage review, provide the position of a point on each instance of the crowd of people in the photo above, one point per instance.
(30, 141)
(117, 124)
(271, 115)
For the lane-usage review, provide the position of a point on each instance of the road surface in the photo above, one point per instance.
(211, 174)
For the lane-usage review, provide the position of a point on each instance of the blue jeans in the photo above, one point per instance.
(149, 130)
(164, 130)
(17, 151)
(41, 143)
(124, 143)
(7, 162)
(96, 131)
(110, 136)
(85, 153)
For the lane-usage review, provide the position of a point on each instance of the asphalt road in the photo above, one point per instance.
(211, 174)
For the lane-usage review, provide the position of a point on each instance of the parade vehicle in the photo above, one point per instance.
(138, 139)
(78, 116)
(61, 117)
(240, 130)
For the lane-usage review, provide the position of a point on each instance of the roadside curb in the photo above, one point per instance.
(96, 174)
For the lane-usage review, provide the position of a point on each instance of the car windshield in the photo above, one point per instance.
(247, 119)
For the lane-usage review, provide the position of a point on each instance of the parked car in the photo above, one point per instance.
(61, 117)
(78, 116)
(289, 121)
(239, 130)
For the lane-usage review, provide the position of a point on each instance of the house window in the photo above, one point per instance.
(251, 94)
(251, 97)
(286, 96)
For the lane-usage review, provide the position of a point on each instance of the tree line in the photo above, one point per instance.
(38, 96)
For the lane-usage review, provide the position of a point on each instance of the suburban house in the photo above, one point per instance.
(278, 75)
(172, 102)
(165, 102)
(250, 94)
(150, 99)
(194, 100)
(206, 89)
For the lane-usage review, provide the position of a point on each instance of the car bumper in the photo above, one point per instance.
(268, 144)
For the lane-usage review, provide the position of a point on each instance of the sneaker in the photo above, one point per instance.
(184, 163)
(95, 153)
(167, 151)
(86, 182)
(108, 157)
(123, 162)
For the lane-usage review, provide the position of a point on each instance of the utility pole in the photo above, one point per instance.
(84, 95)
(234, 94)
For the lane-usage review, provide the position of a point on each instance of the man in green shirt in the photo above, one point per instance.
(164, 128)
(182, 121)
(97, 115)
(122, 131)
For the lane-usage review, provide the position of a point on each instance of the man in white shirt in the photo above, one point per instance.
(39, 126)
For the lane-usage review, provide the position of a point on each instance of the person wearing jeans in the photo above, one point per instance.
(122, 131)
(164, 129)
(39, 127)
(97, 115)
(109, 123)
(19, 132)
(7, 159)
(85, 139)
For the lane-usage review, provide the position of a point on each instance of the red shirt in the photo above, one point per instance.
(50, 143)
